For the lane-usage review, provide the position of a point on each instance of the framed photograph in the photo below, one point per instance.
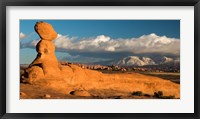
(98, 59)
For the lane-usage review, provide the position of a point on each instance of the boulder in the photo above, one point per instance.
(45, 31)
(35, 73)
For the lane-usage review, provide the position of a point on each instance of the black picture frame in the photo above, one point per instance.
(4, 3)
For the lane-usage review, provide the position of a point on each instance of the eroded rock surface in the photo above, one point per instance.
(45, 64)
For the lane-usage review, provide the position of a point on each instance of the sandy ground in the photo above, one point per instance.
(29, 92)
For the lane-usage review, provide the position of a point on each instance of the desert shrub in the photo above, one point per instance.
(147, 95)
(137, 93)
(158, 94)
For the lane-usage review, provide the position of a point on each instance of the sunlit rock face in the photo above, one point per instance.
(45, 63)
(45, 31)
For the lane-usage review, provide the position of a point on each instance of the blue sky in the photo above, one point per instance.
(112, 28)
(108, 33)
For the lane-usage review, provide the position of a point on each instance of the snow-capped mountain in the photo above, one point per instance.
(165, 60)
(129, 61)
(134, 61)
(142, 61)
(148, 61)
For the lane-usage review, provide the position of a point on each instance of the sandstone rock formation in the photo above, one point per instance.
(46, 72)
(45, 64)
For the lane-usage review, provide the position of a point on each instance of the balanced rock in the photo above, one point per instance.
(45, 64)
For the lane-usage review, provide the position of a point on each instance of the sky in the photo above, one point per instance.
(102, 40)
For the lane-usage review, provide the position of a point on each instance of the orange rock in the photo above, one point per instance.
(45, 64)
(46, 58)
(22, 94)
(45, 31)
(47, 95)
(35, 73)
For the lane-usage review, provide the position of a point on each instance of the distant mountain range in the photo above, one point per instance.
(143, 61)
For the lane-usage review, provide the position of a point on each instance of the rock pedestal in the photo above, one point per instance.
(45, 64)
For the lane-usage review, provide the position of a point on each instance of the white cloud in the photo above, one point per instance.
(63, 41)
(22, 36)
(30, 44)
(145, 44)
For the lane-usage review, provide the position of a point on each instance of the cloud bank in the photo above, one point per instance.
(151, 43)
(22, 36)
